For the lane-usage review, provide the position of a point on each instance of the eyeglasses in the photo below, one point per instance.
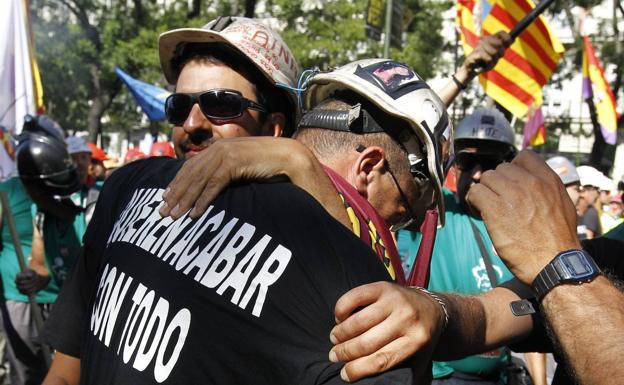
(406, 222)
(216, 104)
(468, 161)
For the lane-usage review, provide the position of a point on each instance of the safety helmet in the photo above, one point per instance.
(565, 169)
(397, 91)
(592, 177)
(42, 158)
(249, 38)
(488, 125)
(43, 124)
(162, 149)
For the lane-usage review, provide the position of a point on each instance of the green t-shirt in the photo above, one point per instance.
(23, 210)
(457, 266)
(63, 240)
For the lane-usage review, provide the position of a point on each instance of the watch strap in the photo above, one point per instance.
(546, 280)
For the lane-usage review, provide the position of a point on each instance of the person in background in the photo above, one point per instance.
(133, 154)
(97, 169)
(570, 178)
(588, 207)
(464, 259)
(162, 149)
(47, 169)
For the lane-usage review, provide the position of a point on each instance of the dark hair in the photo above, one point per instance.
(220, 54)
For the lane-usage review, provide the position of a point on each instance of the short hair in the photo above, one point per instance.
(326, 143)
(265, 91)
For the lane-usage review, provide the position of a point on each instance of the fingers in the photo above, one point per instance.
(504, 37)
(380, 361)
(358, 297)
(361, 333)
(479, 197)
(189, 183)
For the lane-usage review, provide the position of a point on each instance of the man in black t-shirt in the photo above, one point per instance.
(243, 294)
(166, 292)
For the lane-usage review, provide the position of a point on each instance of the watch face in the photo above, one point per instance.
(576, 265)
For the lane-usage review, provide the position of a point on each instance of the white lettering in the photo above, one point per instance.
(266, 278)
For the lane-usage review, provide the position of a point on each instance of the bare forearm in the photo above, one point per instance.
(587, 321)
(480, 323)
(449, 92)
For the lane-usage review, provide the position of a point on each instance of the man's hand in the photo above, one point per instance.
(482, 59)
(382, 324)
(527, 212)
(485, 55)
(205, 175)
(29, 282)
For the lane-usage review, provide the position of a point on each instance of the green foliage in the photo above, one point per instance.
(332, 33)
(77, 52)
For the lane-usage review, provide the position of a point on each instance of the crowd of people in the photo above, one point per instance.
(288, 235)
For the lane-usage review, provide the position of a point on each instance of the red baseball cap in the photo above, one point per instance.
(162, 149)
(97, 153)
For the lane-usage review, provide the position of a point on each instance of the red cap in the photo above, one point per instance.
(97, 153)
(133, 154)
(162, 149)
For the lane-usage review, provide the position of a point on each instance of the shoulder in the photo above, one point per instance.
(154, 170)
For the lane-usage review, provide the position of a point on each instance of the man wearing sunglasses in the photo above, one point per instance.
(464, 259)
(230, 77)
(254, 279)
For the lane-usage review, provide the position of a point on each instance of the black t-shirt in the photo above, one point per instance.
(243, 295)
(609, 256)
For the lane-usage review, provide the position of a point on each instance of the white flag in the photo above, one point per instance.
(20, 85)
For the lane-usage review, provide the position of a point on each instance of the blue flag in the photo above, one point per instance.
(150, 98)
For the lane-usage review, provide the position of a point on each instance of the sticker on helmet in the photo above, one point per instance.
(395, 79)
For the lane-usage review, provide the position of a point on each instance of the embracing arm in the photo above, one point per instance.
(205, 175)
(396, 323)
(480, 323)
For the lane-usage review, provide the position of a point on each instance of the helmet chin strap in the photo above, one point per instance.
(419, 275)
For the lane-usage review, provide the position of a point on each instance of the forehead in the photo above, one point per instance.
(201, 75)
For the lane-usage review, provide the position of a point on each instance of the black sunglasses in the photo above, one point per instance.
(468, 161)
(216, 104)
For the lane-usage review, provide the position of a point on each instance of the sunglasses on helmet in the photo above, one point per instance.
(216, 104)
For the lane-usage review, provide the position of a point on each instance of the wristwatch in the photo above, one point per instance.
(571, 266)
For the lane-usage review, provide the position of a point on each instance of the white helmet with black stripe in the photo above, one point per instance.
(397, 91)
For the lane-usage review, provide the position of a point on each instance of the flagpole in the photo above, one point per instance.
(388, 29)
(34, 307)
(529, 18)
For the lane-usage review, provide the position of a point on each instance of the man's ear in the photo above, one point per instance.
(274, 124)
(368, 166)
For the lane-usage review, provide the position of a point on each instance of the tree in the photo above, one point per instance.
(79, 43)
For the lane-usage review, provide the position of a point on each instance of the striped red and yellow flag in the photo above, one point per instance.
(517, 80)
